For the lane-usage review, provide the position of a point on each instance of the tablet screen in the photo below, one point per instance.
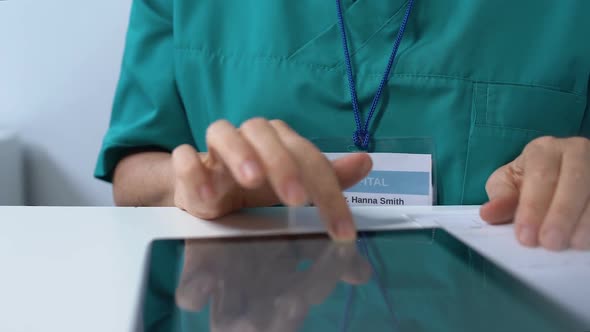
(411, 280)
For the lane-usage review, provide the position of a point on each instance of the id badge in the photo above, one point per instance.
(402, 173)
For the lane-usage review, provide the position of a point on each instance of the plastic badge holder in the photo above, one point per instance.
(409, 145)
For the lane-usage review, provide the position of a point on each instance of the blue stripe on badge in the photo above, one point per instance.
(394, 182)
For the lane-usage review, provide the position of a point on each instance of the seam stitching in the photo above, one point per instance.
(372, 36)
(486, 110)
(523, 130)
(319, 35)
(325, 68)
(472, 124)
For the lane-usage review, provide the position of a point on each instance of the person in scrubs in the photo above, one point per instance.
(218, 102)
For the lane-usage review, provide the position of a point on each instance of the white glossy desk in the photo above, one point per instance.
(82, 269)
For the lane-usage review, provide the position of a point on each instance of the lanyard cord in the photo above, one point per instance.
(362, 243)
(361, 136)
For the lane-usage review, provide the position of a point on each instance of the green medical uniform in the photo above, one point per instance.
(480, 78)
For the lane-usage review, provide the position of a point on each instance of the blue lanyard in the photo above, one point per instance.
(361, 136)
(362, 244)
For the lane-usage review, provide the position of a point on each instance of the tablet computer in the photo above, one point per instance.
(403, 280)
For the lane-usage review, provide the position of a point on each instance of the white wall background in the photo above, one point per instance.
(59, 63)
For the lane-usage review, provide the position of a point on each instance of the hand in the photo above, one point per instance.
(260, 286)
(264, 163)
(546, 191)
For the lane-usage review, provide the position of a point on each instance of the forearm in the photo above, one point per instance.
(144, 179)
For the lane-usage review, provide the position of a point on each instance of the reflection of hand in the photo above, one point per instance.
(264, 163)
(546, 190)
(260, 286)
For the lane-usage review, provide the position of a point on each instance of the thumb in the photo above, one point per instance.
(503, 191)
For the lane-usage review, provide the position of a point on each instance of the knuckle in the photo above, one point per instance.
(278, 123)
(253, 123)
(181, 150)
(531, 149)
(580, 144)
(539, 145)
(217, 126)
(543, 141)
(183, 163)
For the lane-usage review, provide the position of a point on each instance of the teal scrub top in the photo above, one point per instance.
(480, 78)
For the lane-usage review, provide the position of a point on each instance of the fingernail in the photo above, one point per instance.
(368, 165)
(250, 170)
(527, 236)
(206, 192)
(295, 193)
(554, 239)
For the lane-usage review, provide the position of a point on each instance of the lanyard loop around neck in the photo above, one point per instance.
(361, 136)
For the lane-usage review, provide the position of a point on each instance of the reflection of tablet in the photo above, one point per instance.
(414, 280)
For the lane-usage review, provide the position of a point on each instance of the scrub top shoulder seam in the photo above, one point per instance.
(272, 59)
